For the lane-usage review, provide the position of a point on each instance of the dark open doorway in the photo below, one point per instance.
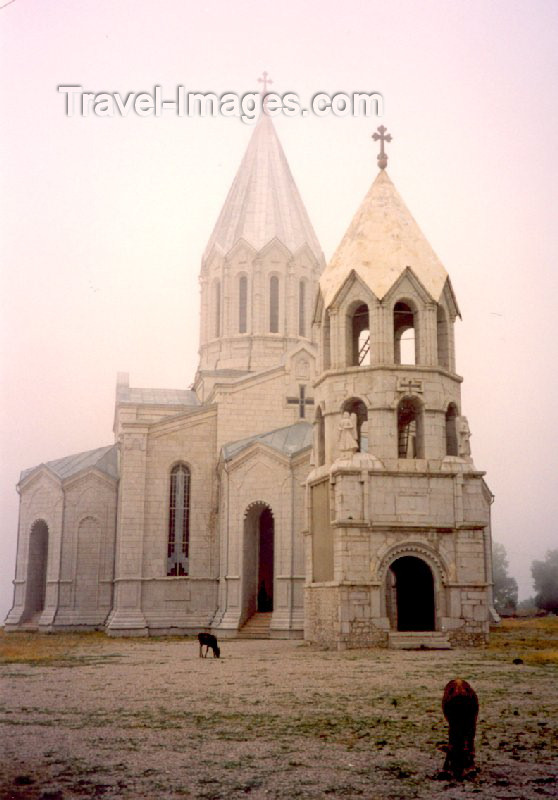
(412, 581)
(35, 593)
(265, 561)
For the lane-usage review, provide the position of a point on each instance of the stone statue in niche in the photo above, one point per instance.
(347, 434)
(463, 437)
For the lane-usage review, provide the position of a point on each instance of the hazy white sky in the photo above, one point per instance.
(103, 221)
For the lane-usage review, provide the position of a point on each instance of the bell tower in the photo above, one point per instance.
(260, 270)
(399, 516)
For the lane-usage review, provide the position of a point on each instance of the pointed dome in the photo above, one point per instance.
(263, 202)
(380, 243)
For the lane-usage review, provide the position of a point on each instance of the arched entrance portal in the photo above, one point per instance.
(410, 595)
(265, 561)
(35, 590)
(259, 535)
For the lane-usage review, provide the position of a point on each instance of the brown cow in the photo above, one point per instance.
(460, 705)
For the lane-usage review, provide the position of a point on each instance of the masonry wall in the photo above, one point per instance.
(181, 602)
(87, 556)
(260, 477)
(260, 403)
(41, 501)
(222, 345)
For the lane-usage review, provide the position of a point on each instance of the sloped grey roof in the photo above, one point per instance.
(159, 397)
(289, 441)
(263, 202)
(224, 373)
(103, 458)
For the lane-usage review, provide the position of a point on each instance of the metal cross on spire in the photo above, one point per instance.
(265, 80)
(382, 136)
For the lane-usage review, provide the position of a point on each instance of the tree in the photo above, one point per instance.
(505, 587)
(545, 581)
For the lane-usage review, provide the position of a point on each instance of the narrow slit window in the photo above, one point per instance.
(242, 303)
(274, 304)
(179, 522)
(217, 309)
(409, 429)
(404, 334)
(451, 430)
(302, 308)
(359, 337)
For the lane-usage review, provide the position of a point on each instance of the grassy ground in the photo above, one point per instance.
(533, 640)
(87, 716)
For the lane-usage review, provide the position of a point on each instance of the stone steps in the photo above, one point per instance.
(418, 640)
(257, 627)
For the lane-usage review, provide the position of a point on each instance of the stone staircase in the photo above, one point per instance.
(418, 640)
(257, 627)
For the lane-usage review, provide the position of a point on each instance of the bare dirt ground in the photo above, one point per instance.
(87, 716)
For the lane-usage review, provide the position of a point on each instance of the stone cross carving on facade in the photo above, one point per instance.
(382, 137)
(409, 385)
(301, 401)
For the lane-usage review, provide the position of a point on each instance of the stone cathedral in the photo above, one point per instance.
(316, 481)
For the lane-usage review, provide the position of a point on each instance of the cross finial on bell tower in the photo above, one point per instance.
(265, 80)
(382, 136)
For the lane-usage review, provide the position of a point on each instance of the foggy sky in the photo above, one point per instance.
(104, 221)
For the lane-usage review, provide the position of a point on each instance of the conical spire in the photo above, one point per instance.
(381, 242)
(263, 202)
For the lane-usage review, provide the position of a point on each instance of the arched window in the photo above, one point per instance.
(326, 340)
(451, 430)
(410, 429)
(404, 335)
(320, 434)
(216, 309)
(179, 521)
(357, 408)
(358, 337)
(274, 304)
(302, 308)
(242, 303)
(442, 335)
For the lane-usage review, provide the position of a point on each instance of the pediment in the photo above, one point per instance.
(408, 285)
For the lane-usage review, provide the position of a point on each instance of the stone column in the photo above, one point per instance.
(428, 339)
(127, 617)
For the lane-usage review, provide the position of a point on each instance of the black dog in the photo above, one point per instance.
(208, 640)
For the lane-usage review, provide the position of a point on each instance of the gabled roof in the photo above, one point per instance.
(103, 459)
(263, 202)
(289, 441)
(159, 397)
(382, 240)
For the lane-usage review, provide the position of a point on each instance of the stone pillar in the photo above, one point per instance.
(127, 617)
(335, 340)
(385, 334)
(428, 339)
(451, 345)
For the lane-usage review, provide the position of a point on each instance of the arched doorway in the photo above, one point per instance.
(265, 561)
(258, 578)
(410, 595)
(35, 590)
